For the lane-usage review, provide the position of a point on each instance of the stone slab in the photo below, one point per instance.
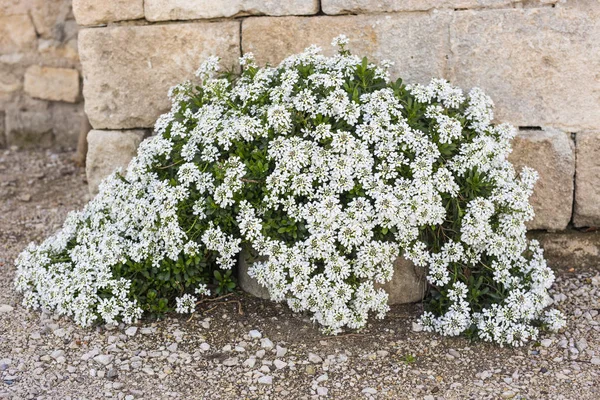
(587, 180)
(56, 84)
(333, 7)
(540, 66)
(551, 153)
(17, 34)
(417, 43)
(94, 12)
(107, 151)
(29, 128)
(165, 10)
(570, 249)
(128, 70)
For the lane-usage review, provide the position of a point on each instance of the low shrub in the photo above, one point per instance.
(329, 171)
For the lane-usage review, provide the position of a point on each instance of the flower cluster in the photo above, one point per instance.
(329, 171)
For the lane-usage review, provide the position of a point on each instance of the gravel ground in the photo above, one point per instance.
(240, 347)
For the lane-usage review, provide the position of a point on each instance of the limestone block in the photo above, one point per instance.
(539, 65)
(551, 153)
(93, 12)
(415, 42)
(373, 6)
(107, 151)
(248, 284)
(49, 15)
(2, 133)
(14, 7)
(29, 128)
(408, 283)
(162, 10)
(57, 84)
(569, 249)
(17, 34)
(587, 179)
(67, 120)
(128, 70)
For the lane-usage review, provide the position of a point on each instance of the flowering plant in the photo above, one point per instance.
(328, 170)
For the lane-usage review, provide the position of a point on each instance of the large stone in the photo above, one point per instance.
(550, 152)
(93, 12)
(587, 179)
(29, 128)
(248, 284)
(57, 84)
(163, 10)
(128, 70)
(49, 15)
(17, 34)
(408, 284)
(374, 6)
(570, 249)
(2, 133)
(107, 151)
(15, 7)
(67, 120)
(539, 65)
(417, 43)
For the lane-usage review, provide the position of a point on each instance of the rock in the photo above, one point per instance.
(281, 351)
(17, 34)
(104, 359)
(49, 16)
(570, 248)
(107, 151)
(91, 12)
(56, 84)
(595, 360)
(57, 353)
(148, 371)
(408, 284)
(369, 390)
(29, 128)
(415, 42)
(266, 343)
(112, 374)
(204, 346)
(550, 153)
(266, 380)
(310, 370)
(131, 331)
(5, 308)
(164, 10)
(279, 364)
(126, 86)
(230, 362)
(547, 80)
(454, 353)
(322, 391)
(172, 347)
(546, 342)
(246, 282)
(587, 179)
(260, 353)
(417, 327)
(249, 363)
(315, 359)
(254, 334)
(68, 122)
(332, 7)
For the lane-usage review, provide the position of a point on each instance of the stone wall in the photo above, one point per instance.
(40, 75)
(538, 59)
